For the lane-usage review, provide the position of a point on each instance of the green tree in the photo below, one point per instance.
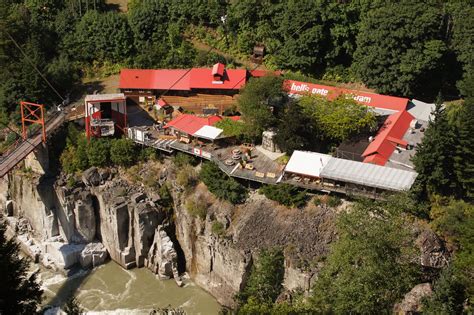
(337, 120)
(20, 292)
(122, 152)
(400, 48)
(258, 102)
(266, 278)
(448, 296)
(454, 220)
(434, 158)
(221, 185)
(296, 130)
(464, 151)
(232, 128)
(285, 194)
(371, 265)
(98, 152)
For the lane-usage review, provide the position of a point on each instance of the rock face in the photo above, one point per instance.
(93, 255)
(162, 257)
(221, 264)
(103, 215)
(412, 302)
(433, 251)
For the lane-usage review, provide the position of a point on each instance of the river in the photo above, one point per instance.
(110, 289)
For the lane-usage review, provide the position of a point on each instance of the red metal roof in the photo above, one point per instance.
(389, 135)
(190, 123)
(147, 79)
(202, 78)
(331, 92)
(180, 79)
(218, 69)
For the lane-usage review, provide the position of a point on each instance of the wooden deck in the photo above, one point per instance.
(265, 170)
(199, 102)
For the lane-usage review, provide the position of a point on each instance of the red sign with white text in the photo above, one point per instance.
(331, 92)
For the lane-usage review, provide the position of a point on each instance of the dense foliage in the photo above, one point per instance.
(405, 48)
(259, 101)
(221, 185)
(266, 277)
(296, 130)
(285, 194)
(371, 265)
(337, 120)
(445, 158)
(20, 292)
(80, 153)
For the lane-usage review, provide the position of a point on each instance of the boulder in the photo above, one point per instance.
(412, 302)
(63, 255)
(91, 177)
(162, 257)
(433, 251)
(93, 255)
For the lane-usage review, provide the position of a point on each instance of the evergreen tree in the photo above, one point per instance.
(295, 130)
(434, 159)
(400, 47)
(19, 292)
(464, 153)
(259, 101)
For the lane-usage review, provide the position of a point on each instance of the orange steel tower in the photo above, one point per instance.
(33, 113)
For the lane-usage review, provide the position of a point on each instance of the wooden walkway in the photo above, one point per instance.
(12, 158)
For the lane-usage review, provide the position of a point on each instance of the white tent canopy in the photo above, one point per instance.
(208, 132)
(307, 163)
(367, 174)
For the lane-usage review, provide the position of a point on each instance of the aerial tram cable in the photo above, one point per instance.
(34, 66)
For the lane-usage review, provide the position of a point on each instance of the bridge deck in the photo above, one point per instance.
(27, 146)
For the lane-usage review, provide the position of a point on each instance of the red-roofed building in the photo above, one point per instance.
(370, 99)
(186, 126)
(390, 136)
(142, 85)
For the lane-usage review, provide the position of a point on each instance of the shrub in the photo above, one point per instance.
(187, 177)
(147, 154)
(197, 207)
(182, 159)
(98, 152)
(285, 194)
(333, 201)
(218, 228)
(122, 152)
(166, 200)
(221, 185)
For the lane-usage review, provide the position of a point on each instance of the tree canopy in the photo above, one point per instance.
(337, 120)
(20, 292)
(371, 265)
(259, 101)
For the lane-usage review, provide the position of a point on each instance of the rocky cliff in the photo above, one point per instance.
(68, 221)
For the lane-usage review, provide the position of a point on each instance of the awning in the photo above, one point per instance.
(208, 132)
(307, 163)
